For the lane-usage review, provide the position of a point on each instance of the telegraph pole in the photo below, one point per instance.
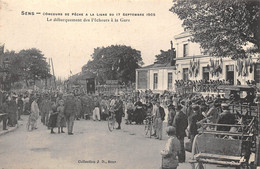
(53, 74)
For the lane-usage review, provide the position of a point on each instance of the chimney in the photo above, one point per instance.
(173, 56)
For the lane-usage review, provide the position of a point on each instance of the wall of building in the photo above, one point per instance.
(162, 79)
(194, 51)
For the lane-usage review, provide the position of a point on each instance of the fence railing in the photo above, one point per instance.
(196, 88)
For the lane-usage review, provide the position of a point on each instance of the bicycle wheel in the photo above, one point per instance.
(111, 124)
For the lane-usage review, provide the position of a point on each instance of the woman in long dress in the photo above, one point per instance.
(34, 113)
(53, 117)
(12, 112)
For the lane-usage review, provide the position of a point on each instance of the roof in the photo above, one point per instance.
(182, 35)
(158, 65)
(86, 75)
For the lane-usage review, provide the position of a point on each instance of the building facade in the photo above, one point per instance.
(191, 63)
(156, 77)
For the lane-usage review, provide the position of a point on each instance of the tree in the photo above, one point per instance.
(116, 62)
(33, 65)
(165, 56)
(28, 65)
(10, 73)
(222, 27)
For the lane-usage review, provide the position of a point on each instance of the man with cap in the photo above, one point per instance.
(195, 117)
(225, 118)
(154, 110)
(138, 111)
(79, 107)
(96, 111)
(70, 112)
(159, 117)
(214, 111)
(180, 123)
(45, 109)
(171, 114)
(104, 106)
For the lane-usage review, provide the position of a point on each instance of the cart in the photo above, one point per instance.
(238, 147)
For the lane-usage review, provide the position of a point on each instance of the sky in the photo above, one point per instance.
(71, 44)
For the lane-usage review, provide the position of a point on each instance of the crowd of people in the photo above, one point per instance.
(206, 85)
(58, 110)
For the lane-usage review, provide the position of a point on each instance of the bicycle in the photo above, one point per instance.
(148, 128)
(111, 121)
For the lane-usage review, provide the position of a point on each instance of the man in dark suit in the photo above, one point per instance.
(226, 118)
(70, 112)
(180, 122)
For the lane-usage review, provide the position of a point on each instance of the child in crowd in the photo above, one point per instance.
(172, 148)
(61, 117)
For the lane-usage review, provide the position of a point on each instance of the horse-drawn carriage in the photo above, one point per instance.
(238, 147)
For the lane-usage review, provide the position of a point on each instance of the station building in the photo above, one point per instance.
(192, 63)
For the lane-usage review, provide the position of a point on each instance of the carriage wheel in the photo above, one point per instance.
(195, 165)
(111, 123)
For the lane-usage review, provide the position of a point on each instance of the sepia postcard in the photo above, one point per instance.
(109, 52)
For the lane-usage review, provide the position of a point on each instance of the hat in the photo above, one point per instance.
(15, 96)
(182, 102)
(179, 107)
(34, 97)
(70, 95)
(171, 107)
(225, 106)
(171, 130)
(195, 107)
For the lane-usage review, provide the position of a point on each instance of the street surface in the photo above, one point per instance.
(91, 143)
